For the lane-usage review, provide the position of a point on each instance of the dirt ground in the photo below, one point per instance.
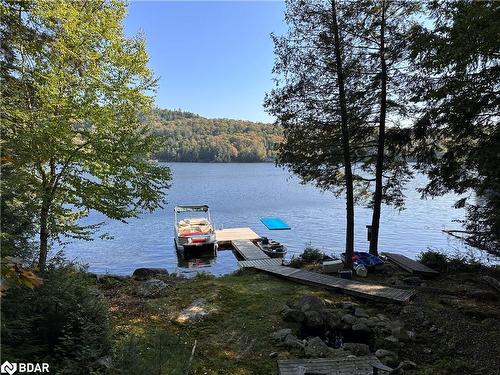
(455, 317)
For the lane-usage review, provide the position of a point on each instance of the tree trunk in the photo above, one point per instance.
(349, 249)
(44, 235)
(377, 197)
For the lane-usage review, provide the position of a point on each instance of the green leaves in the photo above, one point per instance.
(82, 138)
(458, 137)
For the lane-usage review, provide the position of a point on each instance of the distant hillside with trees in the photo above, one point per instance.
(190, 137)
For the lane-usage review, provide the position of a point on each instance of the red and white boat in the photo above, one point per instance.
(192, 232)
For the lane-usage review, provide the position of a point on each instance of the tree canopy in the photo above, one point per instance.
(190, 137)
(457, 137)
(338, 81)
(76, 98)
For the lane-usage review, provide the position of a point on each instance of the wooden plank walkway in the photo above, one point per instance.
(225, 236)
(248, 250)
(355, 288)
(409, 265)
(332, 366)
(260, 262)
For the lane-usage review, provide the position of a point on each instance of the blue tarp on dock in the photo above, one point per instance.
(274, 223)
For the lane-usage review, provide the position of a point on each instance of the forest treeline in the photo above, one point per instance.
(191, 138)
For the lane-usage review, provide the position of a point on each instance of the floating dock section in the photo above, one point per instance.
(409, 265)
(227, 236)
(248, 250)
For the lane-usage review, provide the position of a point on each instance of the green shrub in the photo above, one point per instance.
(297, 262)
(155, 352)
(310, 255)
(63, 322)
(434, 259)
(458, 262)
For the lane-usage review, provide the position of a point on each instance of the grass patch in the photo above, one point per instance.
(234, 339)
(153, 352)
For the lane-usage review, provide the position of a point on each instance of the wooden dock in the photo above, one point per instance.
(359, 289)
(253, 257)
(248, 250)
(260, 262)
(363, 365)
(409, 265)
(226, 236)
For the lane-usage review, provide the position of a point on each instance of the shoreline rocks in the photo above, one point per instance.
(387, 357)
(322, 325)
(143, 274)
(151, 288)
(196, 311)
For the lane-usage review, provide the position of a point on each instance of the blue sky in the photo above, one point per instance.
(213, 58)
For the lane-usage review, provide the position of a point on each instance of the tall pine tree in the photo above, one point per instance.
(457, 137)
(318, 100)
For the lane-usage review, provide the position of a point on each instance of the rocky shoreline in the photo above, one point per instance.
(323, 330)
(450, 327)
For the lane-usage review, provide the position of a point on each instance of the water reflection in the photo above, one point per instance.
(196, 256)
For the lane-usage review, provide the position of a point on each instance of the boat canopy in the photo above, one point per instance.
(191, 208)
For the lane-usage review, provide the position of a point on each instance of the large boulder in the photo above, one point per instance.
(413, 280)
(103, 363)
(347, 305)
(310, 303)
(357, 349)
(315, 347)
(349, 319)
(360, 313)
(401, 334)
(405, 365)
(332, 320)
(195, 312)
(289, 314)
(292, 341)
(151, 288)
(482, 295)
(391, 342)
(313, 319)
(281, 334)
(147, 273)
(387, 357)
(370, 322)
(361, 328)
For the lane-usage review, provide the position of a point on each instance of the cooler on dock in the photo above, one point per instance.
(345, 275)
(332, 266)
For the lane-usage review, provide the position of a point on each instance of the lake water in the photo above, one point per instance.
(240, 194)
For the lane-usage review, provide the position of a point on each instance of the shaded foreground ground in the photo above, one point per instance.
(457, 330)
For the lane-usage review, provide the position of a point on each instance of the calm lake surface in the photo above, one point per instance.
(240, 194)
